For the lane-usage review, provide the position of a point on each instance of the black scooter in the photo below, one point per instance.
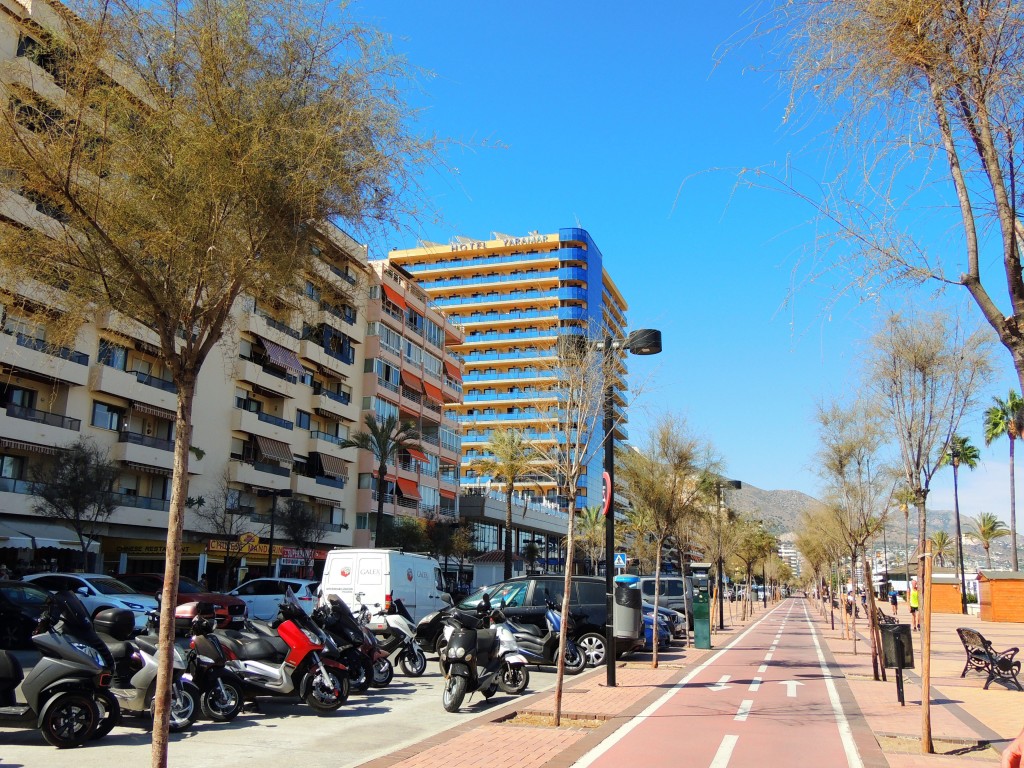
(62, 688)
(542, 647)
(220, 697)
(337, 620)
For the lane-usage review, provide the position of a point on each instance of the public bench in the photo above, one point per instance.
(982, 657)
(884, 618)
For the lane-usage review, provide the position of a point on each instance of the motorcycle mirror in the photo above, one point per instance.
(446, 598)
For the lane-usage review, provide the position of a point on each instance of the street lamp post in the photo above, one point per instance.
(646, 341)
(720, 485)
(273, 494)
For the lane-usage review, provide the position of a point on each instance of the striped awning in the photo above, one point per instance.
(147, 468)
(333, 466)
(21, 445)
(417, 454)
(281, 357)
(275, 449)
(446, 493)
(394, 296)
(434, 393)
(152, 410)
(408, 488)
(412, 382)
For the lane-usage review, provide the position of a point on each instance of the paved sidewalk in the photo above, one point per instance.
(969, 725)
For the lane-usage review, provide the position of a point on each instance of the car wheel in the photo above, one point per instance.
(13, 635)
(593, 648)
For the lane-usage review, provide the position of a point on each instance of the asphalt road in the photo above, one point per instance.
(283, 734)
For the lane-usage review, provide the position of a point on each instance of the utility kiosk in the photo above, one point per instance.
(699, 574)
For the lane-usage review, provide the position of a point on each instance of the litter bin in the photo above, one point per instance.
(627, 618)
(699, 577)
(897, 646)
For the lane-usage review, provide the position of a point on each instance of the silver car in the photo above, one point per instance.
(97, 592)
(263, 596)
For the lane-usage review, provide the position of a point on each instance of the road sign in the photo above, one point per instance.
(620, 559)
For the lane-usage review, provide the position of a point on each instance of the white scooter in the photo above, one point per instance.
(399, 639)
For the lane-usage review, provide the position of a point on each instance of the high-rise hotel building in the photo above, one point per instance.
(514, 297)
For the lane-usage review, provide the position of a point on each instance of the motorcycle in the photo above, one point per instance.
(383, 669)
(476, 658)
(542, 648)
(292, 657)
(134, 661)
(62, 690)
(337, 620)
(400, 639)
(220, 689)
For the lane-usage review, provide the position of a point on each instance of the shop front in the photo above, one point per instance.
(229, 563)
(122, 555)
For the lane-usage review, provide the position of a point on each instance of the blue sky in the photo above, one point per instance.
(592, 114)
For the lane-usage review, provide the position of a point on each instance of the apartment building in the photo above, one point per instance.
(514, 298)
(411, 372)
(275, 398)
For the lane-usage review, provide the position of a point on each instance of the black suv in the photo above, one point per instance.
(526, 599)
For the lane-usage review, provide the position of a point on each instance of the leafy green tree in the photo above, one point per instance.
(511, 459)
(961, 452)
(77, 489)
(984, 529)
(384, 438)
(1006, 418)
(589, 533)
(406, 533)
(942, 546)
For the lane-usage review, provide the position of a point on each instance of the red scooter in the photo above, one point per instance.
(290, 657)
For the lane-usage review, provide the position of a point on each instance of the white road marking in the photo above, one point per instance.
(845, 733)
(589, 758)
(790, 687)
(768, 656)
(755, 684)
(724, 752)
(721, 684)
(744, 710)
(762, 668)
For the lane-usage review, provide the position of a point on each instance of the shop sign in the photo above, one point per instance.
(147, 547)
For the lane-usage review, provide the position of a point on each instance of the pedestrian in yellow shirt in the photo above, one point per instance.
(914, 598)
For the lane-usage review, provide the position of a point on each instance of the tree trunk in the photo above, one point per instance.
(853, 612)
(566, 591)
(1013, 513)
(169, 594)
(654, 617)
(378, 528)
(877, 668)
(508, 531)
(922, 531)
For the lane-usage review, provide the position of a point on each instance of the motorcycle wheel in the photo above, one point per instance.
(513, 680)
(320, 691)
(383, 671)
(70, 720)
(413, 661)
(575, 661)
(360, 673)
(110, 713)
(221, 706)
(184, 706)
(453, 694)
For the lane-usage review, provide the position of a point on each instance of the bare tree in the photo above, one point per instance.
(77, 489)
(186, 169)
(224, 517)
(925, 371)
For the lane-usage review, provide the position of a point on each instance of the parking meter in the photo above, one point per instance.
(700, 591)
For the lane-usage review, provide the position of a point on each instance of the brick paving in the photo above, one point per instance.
(965, 718)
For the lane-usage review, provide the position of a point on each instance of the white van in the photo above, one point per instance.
(383, 575)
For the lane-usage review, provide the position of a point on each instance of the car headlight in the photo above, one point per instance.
(90, 652)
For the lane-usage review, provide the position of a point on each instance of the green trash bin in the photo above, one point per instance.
(700, 573)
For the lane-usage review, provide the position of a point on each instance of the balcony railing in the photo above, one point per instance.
(446, 282)
(474, 357)
(276, 421)
(277, 325)
(555, 313)
(343, 398)
(44, 417)
(474, 397)
(388, 385)
(137, 438)
(333, 482)
(482, 262)
(155, 381)
(411, 394)
(41, 345)
(342, 274)
(432, 439)
(480, 376)
(473, 338)
(271, 469)
(140, 502)
(317, 435)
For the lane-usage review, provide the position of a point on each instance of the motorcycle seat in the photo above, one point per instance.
(262, 629)
(146, 643)
(255, 648)
(119, 649)
(524, 629)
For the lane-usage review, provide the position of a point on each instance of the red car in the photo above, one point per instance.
(230, 610)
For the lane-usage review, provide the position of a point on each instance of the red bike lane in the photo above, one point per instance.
(766, 699)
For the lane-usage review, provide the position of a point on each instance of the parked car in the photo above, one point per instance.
(676, 621)
(263, 596)
(664, 633)
(230, 610)
(21, 604)
(98, 592)
(526, 599)
(672, 593)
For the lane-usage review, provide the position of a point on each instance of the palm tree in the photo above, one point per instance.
(985, 529)
(589, 533)
(942, 546)
(1006, 417)
(384, 438)
(512, 459)
(960, 451)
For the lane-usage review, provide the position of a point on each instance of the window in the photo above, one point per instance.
(384, 409)
(302, 419)
(12, 467)
(434, 333)
(19, 396)
(113, 355)
(107, 416)
(306, 377)
(589, 593)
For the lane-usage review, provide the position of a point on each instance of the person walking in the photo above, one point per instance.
(894, 601)
(914, 598)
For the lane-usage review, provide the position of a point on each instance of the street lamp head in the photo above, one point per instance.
(645, 341)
